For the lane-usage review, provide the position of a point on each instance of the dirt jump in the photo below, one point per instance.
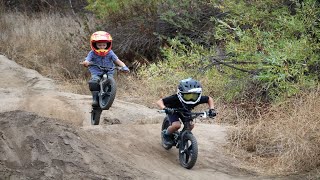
(47, 134)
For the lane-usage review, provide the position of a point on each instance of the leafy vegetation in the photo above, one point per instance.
(281, 43)
(272, 44)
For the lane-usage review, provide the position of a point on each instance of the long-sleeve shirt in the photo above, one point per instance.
(106, 61)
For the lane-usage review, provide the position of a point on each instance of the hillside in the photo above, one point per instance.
(46, 134)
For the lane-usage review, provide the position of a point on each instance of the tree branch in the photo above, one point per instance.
(216, 61)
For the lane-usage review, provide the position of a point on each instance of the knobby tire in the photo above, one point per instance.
(95, 115)
(106, 101)
(189, 156)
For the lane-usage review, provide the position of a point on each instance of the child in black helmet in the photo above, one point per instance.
(189, 95)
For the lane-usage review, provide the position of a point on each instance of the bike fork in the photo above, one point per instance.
(101, 88)
(181, 142)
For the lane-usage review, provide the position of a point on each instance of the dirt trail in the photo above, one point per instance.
(46, 134)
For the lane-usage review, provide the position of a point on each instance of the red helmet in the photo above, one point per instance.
(101, 36)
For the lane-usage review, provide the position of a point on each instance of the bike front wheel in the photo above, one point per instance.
(95, 115)
(188, 151)
(106, 99)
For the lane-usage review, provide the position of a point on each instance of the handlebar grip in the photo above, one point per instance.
(205, 114)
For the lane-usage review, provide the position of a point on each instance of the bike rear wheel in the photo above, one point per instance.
(95, 115)
(188, 151)
(106, 99)
(165, 125)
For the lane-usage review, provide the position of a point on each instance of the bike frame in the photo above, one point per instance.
(104, 78)
(187, 118)
(184, 139)
(102, 82)
(106, 97)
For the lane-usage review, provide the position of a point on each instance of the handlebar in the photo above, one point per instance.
(103, 67)
(189, 114)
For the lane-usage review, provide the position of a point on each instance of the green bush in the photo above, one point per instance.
(266, 46)
(182, 62)
(281, 43)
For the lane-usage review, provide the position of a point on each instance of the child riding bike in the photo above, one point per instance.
(100, 54)
(189, 95)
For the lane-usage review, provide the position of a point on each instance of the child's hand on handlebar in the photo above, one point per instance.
(168, 110)
(125, 69)
(212, 113)
(85, 63)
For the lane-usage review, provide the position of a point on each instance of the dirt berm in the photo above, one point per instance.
(46, 134)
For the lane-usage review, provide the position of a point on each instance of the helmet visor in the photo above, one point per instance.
(190, 96)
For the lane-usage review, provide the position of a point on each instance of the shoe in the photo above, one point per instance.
(95, 103)
(167, 139)
(95, 98)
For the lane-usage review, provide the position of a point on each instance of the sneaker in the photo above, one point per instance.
(95, 98)
(95, 103)
(167, 139)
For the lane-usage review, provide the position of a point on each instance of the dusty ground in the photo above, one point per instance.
(46, 134)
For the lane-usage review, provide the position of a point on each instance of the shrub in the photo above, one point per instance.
(281, 45)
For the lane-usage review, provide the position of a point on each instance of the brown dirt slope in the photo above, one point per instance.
(46, 134)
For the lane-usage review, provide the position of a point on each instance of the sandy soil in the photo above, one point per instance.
(46, 134)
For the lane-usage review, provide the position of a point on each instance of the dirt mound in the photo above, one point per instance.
(36, 147)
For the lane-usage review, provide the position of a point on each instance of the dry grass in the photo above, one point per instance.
(49, 43)
(133, 89)
(285, 140)
(78, 86)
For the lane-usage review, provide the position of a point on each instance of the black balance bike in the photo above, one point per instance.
(106, 95)
(184, 139)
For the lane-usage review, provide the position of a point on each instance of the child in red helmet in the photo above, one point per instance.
(101, 54)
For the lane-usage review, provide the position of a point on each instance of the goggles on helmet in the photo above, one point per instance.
(190, 96)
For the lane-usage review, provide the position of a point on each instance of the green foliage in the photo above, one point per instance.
(156, 19)
(104, 7)
(280, 42)
(181, 62)
(109, 8)
(269, 43)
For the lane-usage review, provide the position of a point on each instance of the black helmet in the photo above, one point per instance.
(189, 91)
